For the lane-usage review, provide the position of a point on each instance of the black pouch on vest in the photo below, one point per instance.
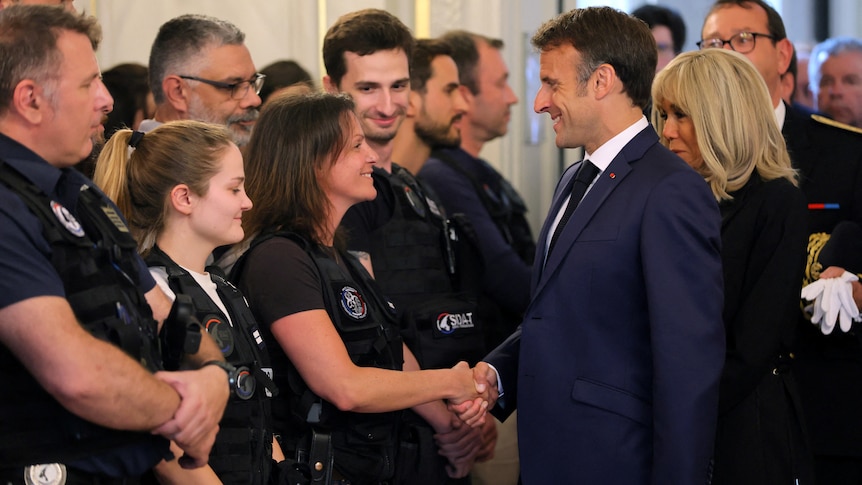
(443, 331)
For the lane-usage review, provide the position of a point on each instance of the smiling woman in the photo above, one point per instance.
(182, 188)
(334, 339)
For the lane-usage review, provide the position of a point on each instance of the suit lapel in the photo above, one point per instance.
(605, 184)
(556, 205)
(798, 144)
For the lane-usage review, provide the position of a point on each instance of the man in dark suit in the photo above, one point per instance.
(615, 368)
(829, 159)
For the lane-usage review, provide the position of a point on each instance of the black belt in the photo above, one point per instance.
(15, 476)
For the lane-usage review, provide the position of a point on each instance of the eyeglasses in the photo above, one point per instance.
(742, 42)
(239, 89)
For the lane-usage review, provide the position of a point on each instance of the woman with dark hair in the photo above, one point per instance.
(133, 101)
(333, 337)
(285, 77)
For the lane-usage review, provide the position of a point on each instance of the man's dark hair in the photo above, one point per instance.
(773, 19)
(127, 84)
(281, 74)
(424, 53)
(465, 52)
(181, 40)
(363, 32)
(28, 44)
(631, 50)
(657, 15)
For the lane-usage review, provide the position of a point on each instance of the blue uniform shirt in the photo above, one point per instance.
(27, 272)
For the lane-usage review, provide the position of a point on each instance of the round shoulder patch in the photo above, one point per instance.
(352, 303)
(67, 219)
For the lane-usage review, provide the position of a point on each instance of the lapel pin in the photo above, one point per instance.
(612, 175)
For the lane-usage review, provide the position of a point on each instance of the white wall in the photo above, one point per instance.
(293, 29)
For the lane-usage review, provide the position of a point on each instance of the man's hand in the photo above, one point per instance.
(460, 446)
(471, 406)
(485, 381)
(204, 394)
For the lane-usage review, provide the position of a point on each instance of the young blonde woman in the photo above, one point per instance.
(334, 341)
(181, 187)
(712, 108)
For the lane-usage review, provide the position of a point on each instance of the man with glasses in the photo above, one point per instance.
(828, 368)
(200, 69)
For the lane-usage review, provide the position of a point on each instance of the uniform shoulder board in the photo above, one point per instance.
(837, 124)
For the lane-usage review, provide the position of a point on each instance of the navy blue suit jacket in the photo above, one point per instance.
(615, 369)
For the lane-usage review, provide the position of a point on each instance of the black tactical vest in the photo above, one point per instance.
(504, 204)
(95, 257)
(508, 211)
(364, 445)
(243, 449)
(417, 264)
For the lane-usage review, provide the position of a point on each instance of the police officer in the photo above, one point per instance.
(179, 174)
(82, 403)
(418, 254)
(333, 338)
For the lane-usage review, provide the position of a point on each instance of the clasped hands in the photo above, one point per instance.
(480, 393)
(203, 397)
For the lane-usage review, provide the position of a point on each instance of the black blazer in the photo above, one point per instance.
(828, 368)
(829, 160)
(764, 236)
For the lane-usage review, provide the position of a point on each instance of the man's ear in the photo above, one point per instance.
(603, 80)
(182, 199)
(785, 53)
(328, 85)
(469, 97)
(176, 93)
(414, 104)
(29, 101)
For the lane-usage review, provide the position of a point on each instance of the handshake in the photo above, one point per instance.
(478, 394)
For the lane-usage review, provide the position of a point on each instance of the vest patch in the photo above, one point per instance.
(67, 219)
(352, 303)
(449, 322)
(115, 218)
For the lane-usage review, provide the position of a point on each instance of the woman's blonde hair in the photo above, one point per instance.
(728, 103)
(139, 179)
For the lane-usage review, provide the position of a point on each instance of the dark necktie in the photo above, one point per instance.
(582, 181)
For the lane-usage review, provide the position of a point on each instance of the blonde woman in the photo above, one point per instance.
(712, 108)
(182, 189)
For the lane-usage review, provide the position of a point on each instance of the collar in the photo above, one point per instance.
(148, 125)
(606, 153)
(30, 165)
(780, 114)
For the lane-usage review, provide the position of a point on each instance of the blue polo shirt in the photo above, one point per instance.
(27, 272)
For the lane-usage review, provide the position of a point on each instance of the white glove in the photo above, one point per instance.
(826, 316)
(813, 290)
(843, 291)
(833, 302)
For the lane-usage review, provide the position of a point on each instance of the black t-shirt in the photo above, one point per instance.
(280, 279)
